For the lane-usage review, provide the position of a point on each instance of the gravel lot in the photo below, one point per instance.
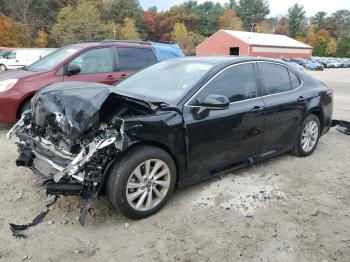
(284, 209)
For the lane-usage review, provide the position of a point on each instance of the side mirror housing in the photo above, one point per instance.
(73, 69)
(216, 102)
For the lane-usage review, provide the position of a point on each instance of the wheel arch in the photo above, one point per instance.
(155, 144)
(317, 111)
(21, 104)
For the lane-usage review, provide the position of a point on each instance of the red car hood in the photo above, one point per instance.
(17, 74)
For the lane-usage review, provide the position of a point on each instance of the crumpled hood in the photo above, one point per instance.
(73, 107)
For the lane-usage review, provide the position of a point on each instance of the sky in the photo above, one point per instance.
(277, 7)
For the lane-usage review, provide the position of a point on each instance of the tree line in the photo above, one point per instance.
(54, 23)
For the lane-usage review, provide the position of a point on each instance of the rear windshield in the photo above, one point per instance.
(50, 61)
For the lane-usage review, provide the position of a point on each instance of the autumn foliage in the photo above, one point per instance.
(54, 23)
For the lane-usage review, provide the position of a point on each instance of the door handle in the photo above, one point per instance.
(111, 77)
(123, 75)
(301, 99)
(257, 109)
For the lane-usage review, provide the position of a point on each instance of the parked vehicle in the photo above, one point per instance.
(174, 123)
(290, 62)
(313, 64)
(103, 62)
(22, 57)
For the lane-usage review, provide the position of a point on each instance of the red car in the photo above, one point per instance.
(103, 62)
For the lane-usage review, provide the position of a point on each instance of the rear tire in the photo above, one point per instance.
(131, 187)
(308, 136)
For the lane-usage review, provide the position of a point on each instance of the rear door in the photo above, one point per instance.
(228, 136)
(97, 65)
(132, 59)
(285, 106)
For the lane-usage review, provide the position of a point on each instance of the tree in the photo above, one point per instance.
(331, 48)
(153, 10)
(180, 33)
(208, 14)
(231, 4)
(296, 16)
(19, 9)
(312, 38)
(111, 30)
(343, 47)
(282, 30)
(151, 25)
(41, 40)
(6, 36)
(252, 12)
(229, 20)
(262, 27)
(187, 40)
(129, 31)
(323, 38)
(121, 9)
(319, 20)
(78, 24)
(299, 37)
(342, 18)
(14, 34)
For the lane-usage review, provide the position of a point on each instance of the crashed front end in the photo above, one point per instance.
(71, 135)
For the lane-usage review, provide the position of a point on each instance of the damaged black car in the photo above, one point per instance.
(174, 123)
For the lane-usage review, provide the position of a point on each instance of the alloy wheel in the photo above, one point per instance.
(148, 184)
(309, 136)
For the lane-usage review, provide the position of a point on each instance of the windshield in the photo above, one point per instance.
(3, 53)
(166, 81)
(50, 61)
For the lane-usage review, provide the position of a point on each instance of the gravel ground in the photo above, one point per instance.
(284, 209)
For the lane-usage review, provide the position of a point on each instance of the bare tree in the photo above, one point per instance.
(19, 9)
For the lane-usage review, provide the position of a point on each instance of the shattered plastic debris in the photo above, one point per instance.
(17, 229)
(342, 126)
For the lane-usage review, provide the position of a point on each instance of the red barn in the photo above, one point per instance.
(229, 42)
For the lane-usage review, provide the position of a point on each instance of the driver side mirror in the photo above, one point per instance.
(73, 69)
(216, 102)
(211, 102)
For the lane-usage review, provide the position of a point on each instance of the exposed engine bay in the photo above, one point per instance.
(71, 135)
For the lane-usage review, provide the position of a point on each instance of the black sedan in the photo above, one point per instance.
(174, 123)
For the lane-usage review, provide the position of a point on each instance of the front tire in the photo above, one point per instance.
(141, 182)
(2, 68)
(308, 136)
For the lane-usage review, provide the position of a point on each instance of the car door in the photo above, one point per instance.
(228, 136)
(285, 106)
(132, 59)
(12, 60)
(96, 65)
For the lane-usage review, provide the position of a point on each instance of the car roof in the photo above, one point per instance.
(217, 60)
(110, 43)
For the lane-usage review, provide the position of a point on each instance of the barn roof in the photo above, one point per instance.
(263, 39)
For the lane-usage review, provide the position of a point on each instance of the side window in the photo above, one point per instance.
(275, 78)
(132, 59)
(95, 61)
(11, 55)
(237, 83)
(294, 80)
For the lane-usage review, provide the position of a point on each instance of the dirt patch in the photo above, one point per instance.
(284, 209)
